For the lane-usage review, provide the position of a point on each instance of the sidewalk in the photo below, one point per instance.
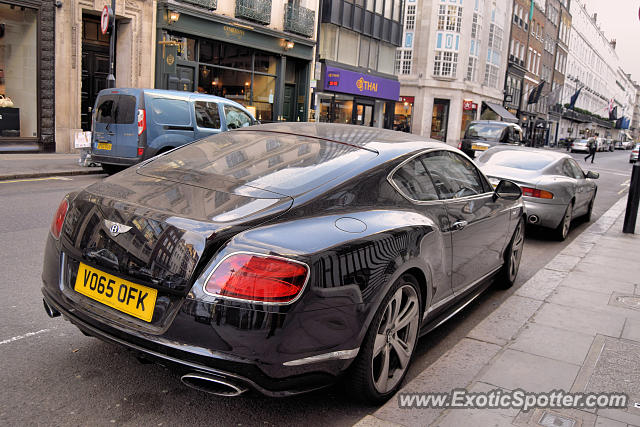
(574, 326)
(34, 165)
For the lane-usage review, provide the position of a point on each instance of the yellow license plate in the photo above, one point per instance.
(479, 147)
(104, 146)
(131, 298)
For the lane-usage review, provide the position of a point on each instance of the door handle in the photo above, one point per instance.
(459, 225)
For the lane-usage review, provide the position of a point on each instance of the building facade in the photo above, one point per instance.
(256, 52)
(82, 59)
(635, 122)
(456, 67)
(27, 102)
(354, 77)
(593, 68)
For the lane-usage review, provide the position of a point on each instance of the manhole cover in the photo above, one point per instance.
(552, 420)
(629, 301)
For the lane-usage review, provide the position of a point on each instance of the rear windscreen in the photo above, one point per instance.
(118, 109)
(282, 163)
(526, 160)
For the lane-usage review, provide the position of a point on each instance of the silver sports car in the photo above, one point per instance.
(555, 189)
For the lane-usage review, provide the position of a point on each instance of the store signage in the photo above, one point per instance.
(469, 105)
(105, 19)
(339, 80)
(407, 99)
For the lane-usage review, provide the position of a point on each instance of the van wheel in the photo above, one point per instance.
(111, 169)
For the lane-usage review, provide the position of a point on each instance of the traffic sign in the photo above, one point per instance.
(106, 19)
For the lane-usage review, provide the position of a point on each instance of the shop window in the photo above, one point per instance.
(18, 72)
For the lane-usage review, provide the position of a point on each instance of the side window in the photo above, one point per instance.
(454, 176)
(567, 170)
(236, 118)
(578, 173)
(413, 180)
(207, 115)
(167, 111)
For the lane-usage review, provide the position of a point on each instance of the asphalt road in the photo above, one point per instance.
(52, 374)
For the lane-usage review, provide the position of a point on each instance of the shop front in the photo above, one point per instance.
(26, 76)
(358, 98)
(403, 114)
(265, 70)
(469, 114)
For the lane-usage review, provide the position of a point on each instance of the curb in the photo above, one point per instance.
(93, 171)
(474, 353)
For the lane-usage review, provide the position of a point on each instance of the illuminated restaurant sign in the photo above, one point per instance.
(339, 80)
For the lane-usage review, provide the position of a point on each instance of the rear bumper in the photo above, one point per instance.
(549, 215)
(113, 160)
(174, 355)
(580, 149)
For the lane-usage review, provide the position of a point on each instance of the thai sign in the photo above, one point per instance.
(339, 80)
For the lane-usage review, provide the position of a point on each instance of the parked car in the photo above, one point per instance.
(279, 257)
(581, 145)
(554, 187)
(482, 134)
(603, 144)
(633, 157)
(619, 145)
(132, 125)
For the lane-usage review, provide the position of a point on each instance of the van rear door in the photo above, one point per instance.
(116, 127)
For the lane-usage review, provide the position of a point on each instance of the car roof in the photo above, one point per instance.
(175, 94)
(494, 122)
(381, 141)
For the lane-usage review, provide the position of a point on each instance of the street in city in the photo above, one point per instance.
(53, 374)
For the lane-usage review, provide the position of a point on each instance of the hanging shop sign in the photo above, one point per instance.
(339, 80)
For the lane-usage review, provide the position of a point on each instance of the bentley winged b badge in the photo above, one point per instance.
(115, 228)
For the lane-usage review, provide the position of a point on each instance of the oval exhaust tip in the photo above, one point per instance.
(213, 385)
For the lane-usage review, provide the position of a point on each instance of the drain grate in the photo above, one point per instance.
(553, 420)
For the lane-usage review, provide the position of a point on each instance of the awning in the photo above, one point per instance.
(502, 112)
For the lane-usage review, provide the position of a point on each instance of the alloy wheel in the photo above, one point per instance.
(395, 339)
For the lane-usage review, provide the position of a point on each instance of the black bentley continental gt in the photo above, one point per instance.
(280, 258)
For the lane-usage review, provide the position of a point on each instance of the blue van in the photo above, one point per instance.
(131, 125)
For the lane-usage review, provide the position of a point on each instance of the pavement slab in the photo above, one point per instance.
(580, 320)
(516, 369)
(554, 343)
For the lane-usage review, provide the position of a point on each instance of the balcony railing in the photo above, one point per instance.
(254, 10)
(299, 20)
(205, 4)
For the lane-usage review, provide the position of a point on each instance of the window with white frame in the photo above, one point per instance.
(407, 59)
(410, 18)
(475, 26)
(445, 64)
(449, 18)
(494, 54)
(471, 68)
(398, 61)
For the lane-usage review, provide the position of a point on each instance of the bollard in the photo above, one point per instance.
(632, 200)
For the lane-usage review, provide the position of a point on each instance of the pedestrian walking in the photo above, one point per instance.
(592, 149)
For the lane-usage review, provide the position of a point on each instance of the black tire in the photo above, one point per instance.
(507, 276)
(589, 214)
(111, 169)
(361, 378)
(562, 231)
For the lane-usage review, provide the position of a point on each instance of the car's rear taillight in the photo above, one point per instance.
(534, 192)
(142, 121)
(58, 219)
(260, 278)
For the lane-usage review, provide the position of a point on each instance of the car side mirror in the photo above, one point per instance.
(507, 190)
(592, 175)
